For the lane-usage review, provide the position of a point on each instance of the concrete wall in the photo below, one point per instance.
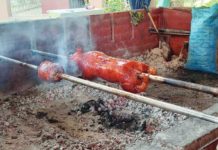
(15, 41)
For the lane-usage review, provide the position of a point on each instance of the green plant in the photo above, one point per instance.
(116, 5)
(136, 17)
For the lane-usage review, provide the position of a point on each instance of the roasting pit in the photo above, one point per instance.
(65, 115)
(71, 116)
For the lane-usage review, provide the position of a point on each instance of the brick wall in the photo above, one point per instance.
(180, 20)
(115, 35)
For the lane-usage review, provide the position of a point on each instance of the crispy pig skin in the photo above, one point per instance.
(49, 71)
(95, 64)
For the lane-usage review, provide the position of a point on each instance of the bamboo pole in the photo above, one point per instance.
(150, 17)
(152, 21)
(19, 62)
(184, 84)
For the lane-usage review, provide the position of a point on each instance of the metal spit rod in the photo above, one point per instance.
(49, 54)
(135, 97)
(19, 62)
(174, 82)
(184, 84)
(142, 99)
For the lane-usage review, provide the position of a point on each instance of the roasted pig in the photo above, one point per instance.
(127, 73)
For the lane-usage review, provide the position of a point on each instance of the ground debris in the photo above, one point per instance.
(162, 59)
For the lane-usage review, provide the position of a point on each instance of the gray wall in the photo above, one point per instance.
(60, 36)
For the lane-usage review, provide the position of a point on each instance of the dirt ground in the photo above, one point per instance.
(49, 116)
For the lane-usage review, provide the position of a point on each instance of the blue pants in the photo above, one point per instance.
(139, 4)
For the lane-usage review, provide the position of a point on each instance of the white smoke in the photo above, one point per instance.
(76, 34)
(59, 36)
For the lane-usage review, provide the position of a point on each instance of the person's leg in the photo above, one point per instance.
(132, 4)
(147, 3)
(139, 4)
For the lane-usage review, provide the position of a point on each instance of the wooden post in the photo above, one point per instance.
(153, 4)
(97, 3)
(5, 9)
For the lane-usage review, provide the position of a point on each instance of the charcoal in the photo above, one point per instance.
(52, 119)
(111, 118)
(120, 120)
(86, 107)
(41, 114)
